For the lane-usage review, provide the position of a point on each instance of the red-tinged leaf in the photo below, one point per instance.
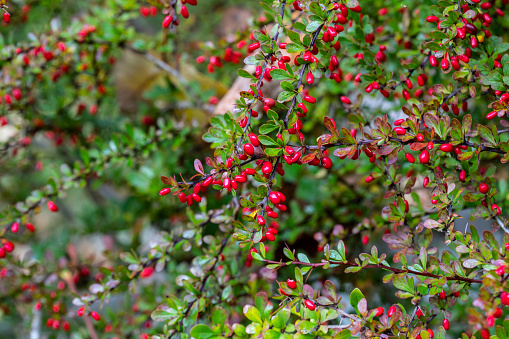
(471, 263)
(308, 157)
(341, 152)
(362, 306)
(389, 194)
(465, 156)
(393, 157)
(417, 146)
(386, 149)
(329, 124)
(466, 124)
(211, 162)
(198, 166)
(430, 223)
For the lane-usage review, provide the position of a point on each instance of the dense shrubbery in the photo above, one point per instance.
(349, 162)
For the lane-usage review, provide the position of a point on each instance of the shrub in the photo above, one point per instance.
(360, 132)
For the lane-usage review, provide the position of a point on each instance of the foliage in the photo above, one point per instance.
(373, 131)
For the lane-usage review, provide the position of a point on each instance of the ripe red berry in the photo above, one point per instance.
(400, 130)
(182, 197)
(445, 323)
(326, 162)
(409, 157)
(345, 100)
(9, 246)
(425, 181)
(270, 236)
(462, 176)
(15, 227)
(424, 157)
(261, 220)
(310, 305)
(7, 18)
(81, 311)
(291, 284)
(379, 311)
(30, 227)
(309, 99)
(391, 311)
(184, 12)
(484, 188)
(369, 179)
(52, 207)
(365, 240)
(485, 333)
(419, 313)
(95, 315)
(266, 167)
(249, 149)
(430, 332)
(491, 115)
(165, 191)
(442, 295)
(446, 148)
(167, 21)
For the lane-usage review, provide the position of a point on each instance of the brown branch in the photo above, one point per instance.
(385, 267)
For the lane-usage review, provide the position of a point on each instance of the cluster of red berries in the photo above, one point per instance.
(93, 314)
(172, 19)
(146, 11)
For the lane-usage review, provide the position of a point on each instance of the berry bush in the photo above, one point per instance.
(283, 169)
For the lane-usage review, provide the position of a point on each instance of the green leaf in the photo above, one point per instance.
(313, 26)
(267, 128)
(252, 314)
(285, 96)
(355, 297)
(267, 141)
(260, 36)
(485, 133)
(344, 334)
(279, 74)
(202, 332)
(273, 152)
(245, 74)
(295, 48)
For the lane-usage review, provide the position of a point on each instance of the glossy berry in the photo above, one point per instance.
(485, 333)
(379, 311)
(326, 163)
(419, 313)
(410, 158)
(445, 323)
(95, 315)
(249, 149)
(291, 284)
(442, 295)
(391, 311)
(484, 188)
(52, 207)
(310, 305)
(266, 167)
(462, 176)
(424, 157)
(167, 21)
(446, 148)
(165, 191)
(7, 18)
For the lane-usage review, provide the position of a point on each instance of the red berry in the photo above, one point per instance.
(291, 284)
(15, 227)
(345, 100)
(167, 21)
(391, 311)
(425, 181)
(261, 220)
(379, 311)
(445, 323)
(310, 305)
(270, 236)
(446, 148)
(442, 295)
(400, 130)
(484, 188)
(462, 176)
(266, 167)
(248, 149)
(95, 315)
(7, 18)
(419, 313)
(369, 179)
(485, 333)
(52, 207)
(326, 163)
(81, 311)
(365, 240)
(491, 115)
(424, 157)
(184, 12)
(30, 227)
(430, 332)
(410, 158)
(165, 191)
